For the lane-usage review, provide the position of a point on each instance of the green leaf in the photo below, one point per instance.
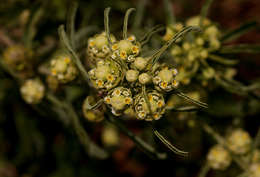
(65, 41)
(169, 145)
(149, 34)
(222, 60)
(244, 28)
(128, 12)
(106, 24)
(155, 57)
(94, 106)
(240, 48)
(204, 10)
(169, 12)
(70, 26)
(139, 14)
(201, 104)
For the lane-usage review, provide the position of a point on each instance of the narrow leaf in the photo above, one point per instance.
(222, 60)
(169, 12)
(169, 145)
(150, 33)
(201, 104)
(240, 48)
(128, 12)
(244, 28)
(66, 43)
(178, 35)
(70, 26)
(106, 24)
(204, 11)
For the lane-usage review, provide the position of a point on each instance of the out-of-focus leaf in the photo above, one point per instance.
(244, 28)
(223, 60)
(240, 48)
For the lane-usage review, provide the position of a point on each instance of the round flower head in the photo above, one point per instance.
(19, 58)
(157, 106)
(63, 68)
(110, 136)
(119, 99)
(219, 158)
(140, 63)
(126, 49)
(131, 75)
(171, 30)
(144, 78)
(98, 46)
(106, 75)
(95, 115)
(164, 78)
(32, 91)
(239, 141)
(254, 170)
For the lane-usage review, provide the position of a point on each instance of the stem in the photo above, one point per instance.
(66, 43)
(128, 12)
(90, 147)
(185, 109)
(204, 170)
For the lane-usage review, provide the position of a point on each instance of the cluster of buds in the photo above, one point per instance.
(19, 59)
(98, 47)
(239, 141)
(32, 91)
(219, 158)
(194, 49)
(127, 80)
(63, 68)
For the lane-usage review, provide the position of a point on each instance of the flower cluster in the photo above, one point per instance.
(127, 80)
(239, 141)
(98, 47)
(19, 59)
(219, 158)
(63, 68)
(192, 52)
(32, 91)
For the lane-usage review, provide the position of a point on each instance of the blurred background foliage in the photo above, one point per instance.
(34, 142)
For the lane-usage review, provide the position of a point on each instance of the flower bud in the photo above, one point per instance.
(131, 75)
(144, 78)
(219, 158)
(239, 141)
(140, 63)
(32, 91)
